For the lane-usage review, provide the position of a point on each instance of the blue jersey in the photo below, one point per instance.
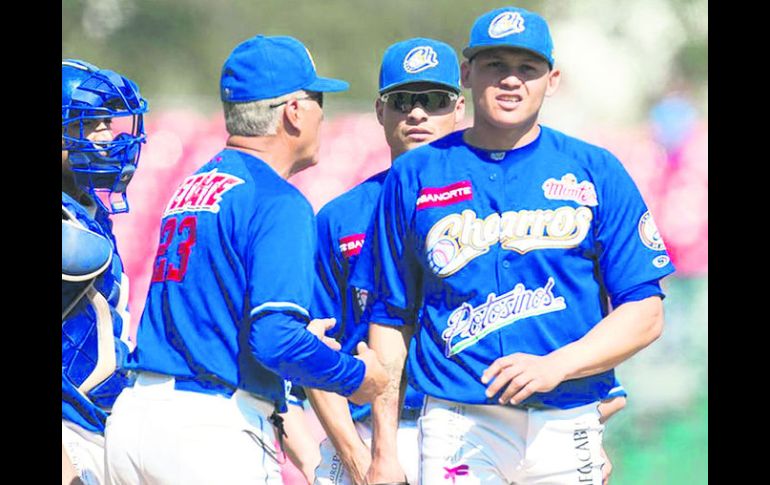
(94, 327)
(496, 252)
(230, 291)
(342, 225)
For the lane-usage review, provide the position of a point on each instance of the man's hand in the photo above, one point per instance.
(608, 407)
(357, 462)
(524, 374)
(375, 380)
(319, 327)
(385, 471)
(606, 468)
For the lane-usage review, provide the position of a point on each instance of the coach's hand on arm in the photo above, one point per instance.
(391, 344)
(631, 327)
(334, 414)
(319, 326)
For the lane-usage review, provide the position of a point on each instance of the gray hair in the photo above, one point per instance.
(254, 118)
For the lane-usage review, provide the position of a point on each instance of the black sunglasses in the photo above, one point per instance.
(431, 101)
(316, 96)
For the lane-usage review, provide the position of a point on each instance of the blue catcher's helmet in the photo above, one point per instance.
(88, 96)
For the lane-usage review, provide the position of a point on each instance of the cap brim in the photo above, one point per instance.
(469, 52)
(327, 85)
(441, 84)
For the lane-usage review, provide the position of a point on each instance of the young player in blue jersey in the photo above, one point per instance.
(419, 101)
(526, 266)
(98, 162)
(225, 319)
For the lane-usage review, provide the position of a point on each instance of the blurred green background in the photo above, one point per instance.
(661, 437)
(618, 56)
(619, 59)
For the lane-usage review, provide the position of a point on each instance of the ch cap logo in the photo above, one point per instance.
(506, 23)
(419, 59)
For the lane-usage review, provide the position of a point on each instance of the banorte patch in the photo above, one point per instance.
(351, 245)
(443, 196)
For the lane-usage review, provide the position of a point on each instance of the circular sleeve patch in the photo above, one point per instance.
(649, 234)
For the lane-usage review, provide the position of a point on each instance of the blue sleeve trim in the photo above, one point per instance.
(279, 306)
(617, 391)
(638, 293)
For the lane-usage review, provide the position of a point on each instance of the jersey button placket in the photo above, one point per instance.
(502, 268)
(499, 203)
(509, 191)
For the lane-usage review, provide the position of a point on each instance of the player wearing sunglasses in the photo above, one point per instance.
(432, 101)
(419, 101)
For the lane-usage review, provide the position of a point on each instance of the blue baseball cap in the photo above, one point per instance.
(419, 60)
(511, 27)
(266, 67)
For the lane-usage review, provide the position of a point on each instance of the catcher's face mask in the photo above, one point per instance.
(96, 104)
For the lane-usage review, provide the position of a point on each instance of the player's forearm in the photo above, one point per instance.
(625, 331)
(334, 414)
(390, 344)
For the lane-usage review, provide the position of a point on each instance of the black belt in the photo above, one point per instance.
(527, 407)
(204, 386)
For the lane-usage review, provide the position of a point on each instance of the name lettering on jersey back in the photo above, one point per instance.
(456, 239)
(467, 325)
(351, 245)
(568, 188)
(442, 196)
(201, 192)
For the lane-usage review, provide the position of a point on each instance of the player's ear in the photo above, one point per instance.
(292, 116)
(554, 79)
(379, 108)
(465, 74)
(460, 109)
